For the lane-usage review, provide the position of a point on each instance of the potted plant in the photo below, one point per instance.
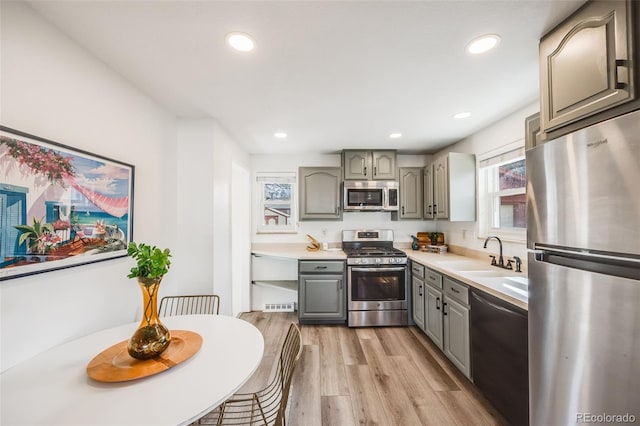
(152, 337)
(38, 236)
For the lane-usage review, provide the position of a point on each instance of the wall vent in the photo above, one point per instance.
(279, 307)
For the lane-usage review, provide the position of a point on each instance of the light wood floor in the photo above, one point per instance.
(373, 376)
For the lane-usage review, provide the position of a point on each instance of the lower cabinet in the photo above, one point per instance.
(455, 309)
(418, 293)
(321, 292)
(444, 317)
(433, 308)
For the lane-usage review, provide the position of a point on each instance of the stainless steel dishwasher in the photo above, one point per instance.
(499, 355)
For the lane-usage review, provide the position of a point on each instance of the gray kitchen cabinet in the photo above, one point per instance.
(433, 308)
(417, 283)
(427, 185)
(452, 194)
(369, 165)
(455, 310)
(532, 133)
(319, 193)
(586, 63)
(441, 187)
(321, 292)
(411, 192)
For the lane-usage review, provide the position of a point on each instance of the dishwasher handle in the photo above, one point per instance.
(492, 305)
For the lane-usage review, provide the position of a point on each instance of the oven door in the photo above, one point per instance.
(377, 288)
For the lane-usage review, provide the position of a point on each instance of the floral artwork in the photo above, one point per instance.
(59, 207)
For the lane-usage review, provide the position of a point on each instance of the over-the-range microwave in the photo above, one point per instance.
(370, 195)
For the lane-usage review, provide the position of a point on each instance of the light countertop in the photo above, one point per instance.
(505, 284)
(296, 252)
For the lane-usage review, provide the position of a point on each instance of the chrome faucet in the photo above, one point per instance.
(500, 259)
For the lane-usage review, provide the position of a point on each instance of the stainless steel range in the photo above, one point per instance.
(377, 279)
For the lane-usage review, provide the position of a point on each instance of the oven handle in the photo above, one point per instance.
(378, 269)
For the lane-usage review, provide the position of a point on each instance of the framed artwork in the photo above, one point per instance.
(60, 206)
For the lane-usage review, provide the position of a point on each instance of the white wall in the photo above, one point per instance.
(330, 231)
(212, 248)
(54, 89)
(508, 130)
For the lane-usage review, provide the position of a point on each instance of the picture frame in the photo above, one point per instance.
(60, 206)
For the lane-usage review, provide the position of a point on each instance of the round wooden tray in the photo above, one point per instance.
(116, 365)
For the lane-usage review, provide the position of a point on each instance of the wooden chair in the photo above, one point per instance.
(266, 406)
(189, 305)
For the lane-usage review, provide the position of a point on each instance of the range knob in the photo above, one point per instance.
(399, 260)
(392, 260)
(378, 260)
(363, 261)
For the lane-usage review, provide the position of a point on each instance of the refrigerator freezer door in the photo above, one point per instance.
(584, 344)
(583, 189)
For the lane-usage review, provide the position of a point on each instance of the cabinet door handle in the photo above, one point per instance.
(444, 308)
(430, 209)
(321, 267)
(420, 291)
(455, 290)
(375, 171)
(434, 209)
(402, 209)
(365, 170)
(437, 303)
(621, 63)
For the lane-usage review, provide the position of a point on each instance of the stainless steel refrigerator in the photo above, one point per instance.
(583, 236)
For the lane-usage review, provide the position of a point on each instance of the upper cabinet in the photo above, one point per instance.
(427, 178)
(450, 188)
(319, 189)
(410, 193)
(369, 165)
(587, 65)
(532, 134)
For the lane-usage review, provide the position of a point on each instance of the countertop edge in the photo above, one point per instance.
(299, 252)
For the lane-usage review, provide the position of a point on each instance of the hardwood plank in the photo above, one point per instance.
(365, 400)
(395, 400)
(437, 377)
(333, 380)
(428, 407)
(464, 411)
(365, 333)
(309, 334)
(304, 397)
(337, 410)
(352, 353)
(391, 340)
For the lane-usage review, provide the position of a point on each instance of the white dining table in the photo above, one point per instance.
(53, 388)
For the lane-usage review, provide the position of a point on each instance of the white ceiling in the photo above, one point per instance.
(332, 75)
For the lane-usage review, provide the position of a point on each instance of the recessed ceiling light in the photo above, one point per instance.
(483, 43)
(280, 135)
(464, 114)
(395, 135)
(241, 41)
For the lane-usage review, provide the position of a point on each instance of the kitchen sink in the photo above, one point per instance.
(461, 265)
(485, 273)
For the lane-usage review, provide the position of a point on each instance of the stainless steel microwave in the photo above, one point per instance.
(370, 195)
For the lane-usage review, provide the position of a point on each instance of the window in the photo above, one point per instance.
(502, 194)
(276, 210)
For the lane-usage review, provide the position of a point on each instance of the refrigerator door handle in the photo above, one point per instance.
(619, 266)
(587, 255)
